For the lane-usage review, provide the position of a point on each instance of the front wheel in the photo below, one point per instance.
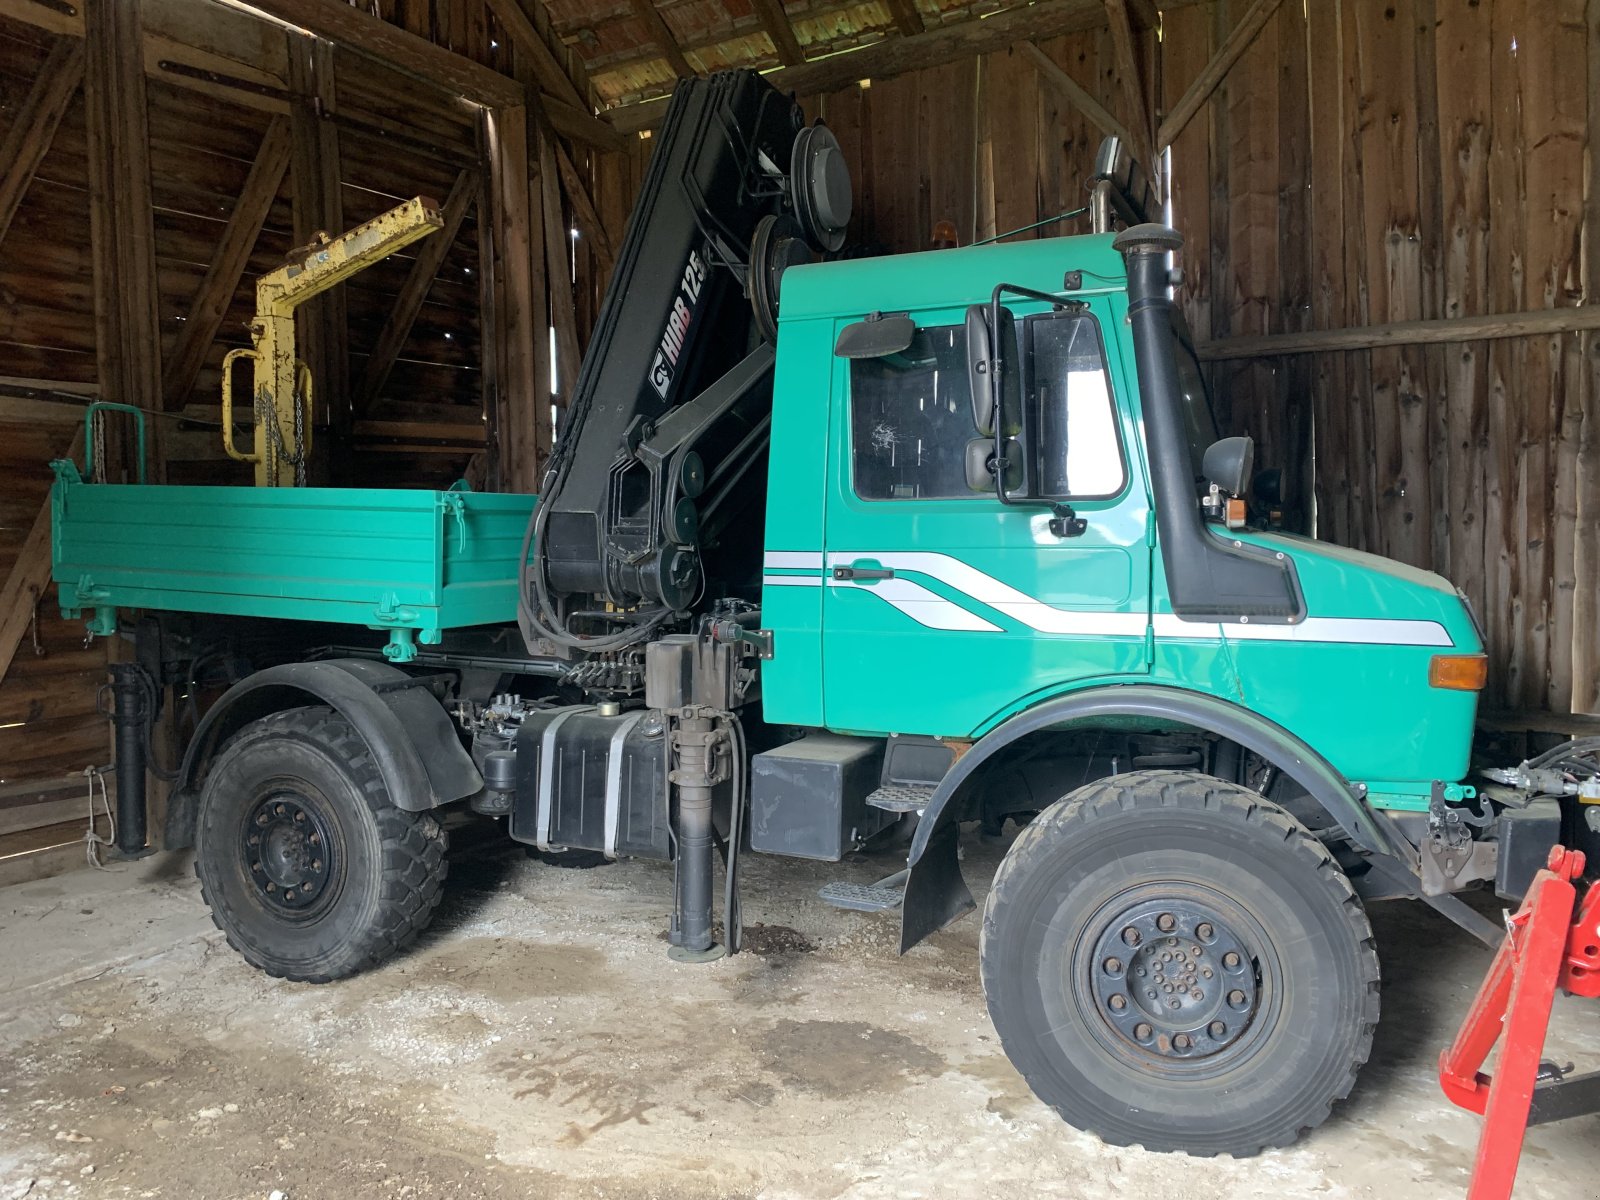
(1172, 961)
(307, 865)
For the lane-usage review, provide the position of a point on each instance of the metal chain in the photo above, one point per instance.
(267, 416)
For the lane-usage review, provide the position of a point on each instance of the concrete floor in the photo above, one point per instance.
(538, 1043)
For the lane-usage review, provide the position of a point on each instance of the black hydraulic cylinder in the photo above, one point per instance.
(130, 716)
(692, 918)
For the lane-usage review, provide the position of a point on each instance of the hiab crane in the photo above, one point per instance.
(844, 554)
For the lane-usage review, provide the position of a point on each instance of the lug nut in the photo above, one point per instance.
(272, 887)
(1181, 1042)
(1166, 923)
(1130, 936)
(1113, 966)
(299, 816)
(278, 809)
(1119, 1003)
(1236, 998)
(1217, 1029)
(316, 864)
(1203, 931)
(1142, 1032)
(315, 839)
(255, 866)
(1230, 960)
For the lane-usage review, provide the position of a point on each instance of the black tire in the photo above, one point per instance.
(308, 867)
(1271, 965)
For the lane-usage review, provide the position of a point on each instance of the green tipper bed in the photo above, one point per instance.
(409, 562)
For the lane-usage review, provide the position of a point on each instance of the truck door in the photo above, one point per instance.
(942, 607)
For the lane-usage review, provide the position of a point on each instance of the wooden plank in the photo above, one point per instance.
(1126, 45)
(357, 29)
(1586, 548)
(408, 301)
(215, 295)
(907, 20)
(1075, 93)
(558, 269)
(552, 77)
(29, 578)
(1445, 331)
(1462, 54)
(1326, 235)
(33, 125)
(583, 206)
(1507, 359)
(1215, 71)
(1291, 381)
(662, 37)
(776, 22)
(1553, 119)
(890, 57)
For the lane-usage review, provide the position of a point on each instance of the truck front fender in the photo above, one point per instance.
(936, 893)
(412, 739)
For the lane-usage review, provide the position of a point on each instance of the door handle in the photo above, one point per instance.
(862, 573)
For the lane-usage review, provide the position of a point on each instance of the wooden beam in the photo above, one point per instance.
(665, 42)
(1215, 71)
(33, 126)
(431, 253)
(1080, 99)
(357, 30)
(321, 325)
(516, 316)
(906, 17)
(776, 22)
(580, 125)
(1541, 323)
(558, 267)
(121, 215)
(216, 291)
(888, 57)
(29, 577)
(583, 206)
(1123, 42)
(552, 77)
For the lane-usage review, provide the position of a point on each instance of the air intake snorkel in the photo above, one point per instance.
(1208, 579)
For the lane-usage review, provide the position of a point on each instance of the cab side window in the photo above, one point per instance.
(911, 419)
(1079, 453)
(911, 414)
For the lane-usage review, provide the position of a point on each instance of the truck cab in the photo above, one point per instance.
(926, 605)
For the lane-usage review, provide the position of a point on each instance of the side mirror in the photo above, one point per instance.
(875, 337)
(984, 363)
(980, 365)
(983, 464)
(1228, 463)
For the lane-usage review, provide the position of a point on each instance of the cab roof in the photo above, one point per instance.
(948, 278)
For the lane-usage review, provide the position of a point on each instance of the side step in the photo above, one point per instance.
(901, 797)
(867, 897)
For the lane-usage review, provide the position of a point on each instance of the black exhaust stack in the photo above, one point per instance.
(1207, 579)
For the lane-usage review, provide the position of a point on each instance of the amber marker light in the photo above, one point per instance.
(1459, 672)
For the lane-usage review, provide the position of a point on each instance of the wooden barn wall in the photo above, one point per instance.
(1365, 162)
(257, 138)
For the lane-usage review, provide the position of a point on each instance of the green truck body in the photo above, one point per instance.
(1002, 571)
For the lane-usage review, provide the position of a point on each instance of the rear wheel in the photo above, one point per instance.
(1172, 961)
(308, 867)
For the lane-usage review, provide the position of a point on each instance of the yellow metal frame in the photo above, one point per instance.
(282, 384)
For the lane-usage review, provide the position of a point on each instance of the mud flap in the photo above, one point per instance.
(936, 892)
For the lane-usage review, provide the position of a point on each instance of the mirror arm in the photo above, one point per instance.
(1065, 521)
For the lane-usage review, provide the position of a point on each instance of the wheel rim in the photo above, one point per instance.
(290, 854)
(1181, 981)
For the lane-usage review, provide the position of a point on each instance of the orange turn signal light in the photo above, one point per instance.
(1460, 672)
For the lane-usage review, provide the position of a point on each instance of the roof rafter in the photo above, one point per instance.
(776, 22)
(663, 37)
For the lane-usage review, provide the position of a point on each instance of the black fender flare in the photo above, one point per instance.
(412, 739)
(936, 894)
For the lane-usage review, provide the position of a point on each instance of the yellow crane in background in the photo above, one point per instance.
(282, 387)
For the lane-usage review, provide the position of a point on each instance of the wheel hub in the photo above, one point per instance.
(1173, 980)
(288, 852)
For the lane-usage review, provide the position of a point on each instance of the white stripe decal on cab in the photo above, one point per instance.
(1046, 618)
